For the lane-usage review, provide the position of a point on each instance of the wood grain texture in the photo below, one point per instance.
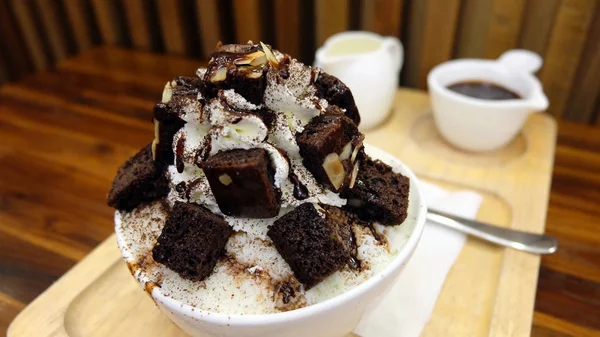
(564, 51)
(441, 17)
(248, 20)
(413, 44)
(585, 94)
(332, 16)
(287, 26)
(33, 41)
(108, 16)
(209, 25)
(82, 28)
(53, 28)
(537, 24)
(13, 55)
(4, 75)
(504, 27)
(474, 18)
(175, 35)
(139, 23)
(382, 16)
(80, 121)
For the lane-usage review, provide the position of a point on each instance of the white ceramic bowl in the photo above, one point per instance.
(332, 318)
(482, 125)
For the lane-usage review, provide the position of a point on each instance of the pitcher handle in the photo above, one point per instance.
(521, 60)
(394, 47)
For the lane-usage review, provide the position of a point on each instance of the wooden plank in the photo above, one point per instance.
(564, 51)
(209, 25)
(10, 307)
(247, 16)
(138, 23)
(414, 43)
(547, 325)
(108, 17)
(333, 16)
(472, 30)
(4, 75)
(586, 87)
(537, 24)
(82, 27)
(23, 13)
(382, 16)
(174, 33)
(504, 27)
(441, 18)
(287, 27)
(55, 32)
(13, 55)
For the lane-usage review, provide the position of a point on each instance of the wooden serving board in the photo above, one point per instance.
(489, 291)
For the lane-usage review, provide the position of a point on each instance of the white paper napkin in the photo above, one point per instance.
(405, 310)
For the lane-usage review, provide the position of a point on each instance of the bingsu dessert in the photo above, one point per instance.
(256, 195)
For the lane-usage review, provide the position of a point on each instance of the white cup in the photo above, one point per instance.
(335, 317)
(482, 125)
(369, 65)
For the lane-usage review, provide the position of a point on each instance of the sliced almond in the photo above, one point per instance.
(355, 152)
(167, 93)
(334, 169)
(270, 56)
(155, 140)
(290, 122)
(346, 151)
(353, 175)
(225, 179)
(253, 59)
(219, 75)
(254, 74)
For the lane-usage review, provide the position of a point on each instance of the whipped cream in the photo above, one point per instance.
(229, 121)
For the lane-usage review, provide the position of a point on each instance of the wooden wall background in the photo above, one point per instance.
(34, 34)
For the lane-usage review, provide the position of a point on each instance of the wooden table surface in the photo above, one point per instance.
(64, 132)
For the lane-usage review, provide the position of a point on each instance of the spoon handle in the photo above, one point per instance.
(528, 242)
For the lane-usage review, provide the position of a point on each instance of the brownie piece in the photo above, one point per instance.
(242, 183)
(327, 145)
(137, 181)
(379, 194)
(239, 67)
(184, 95)
(313, 244)
(337, 93)
(192, 241)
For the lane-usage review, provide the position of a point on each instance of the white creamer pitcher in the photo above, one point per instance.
(369, 65)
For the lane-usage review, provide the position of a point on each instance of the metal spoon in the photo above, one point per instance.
(528, 242)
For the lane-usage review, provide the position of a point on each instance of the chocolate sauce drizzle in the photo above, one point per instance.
(354, 262)
(287, 291)
(180, 187)
(179, 154)
(300, 191)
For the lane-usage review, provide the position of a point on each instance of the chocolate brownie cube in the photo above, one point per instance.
(180, 95)
(337, 93)
(328, 146)
(239, 67)
(314, 244)
(192, 241)
(378, 194)
(242, 183)
(137, 181)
